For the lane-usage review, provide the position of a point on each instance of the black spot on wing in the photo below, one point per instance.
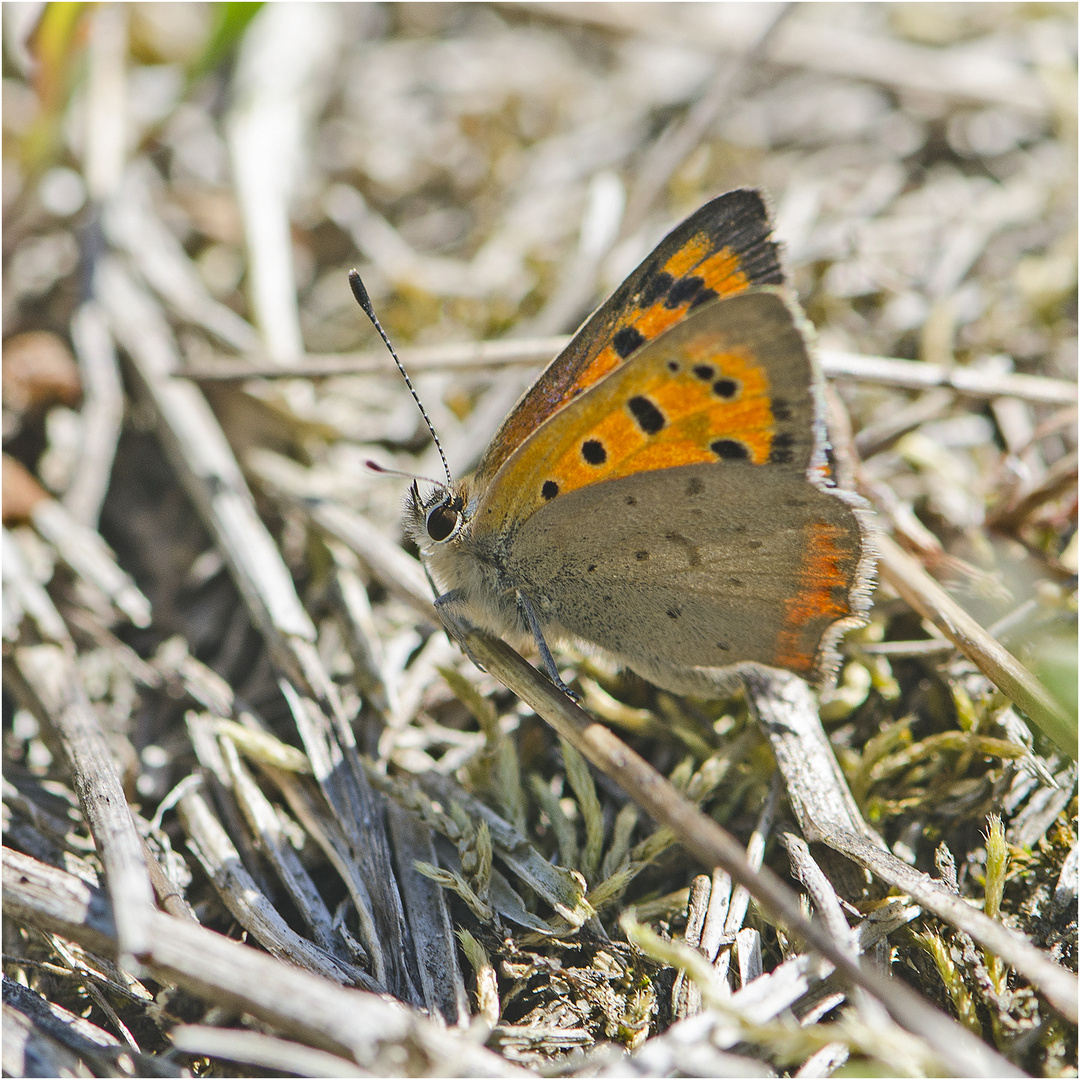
(729, 450)
(549, 490)
(704, 371)
(690, 549)
(687, 290)
(646, 415)
(592, 450)
(781, 452)
(654, 288)
(725, 388)
(628, 340)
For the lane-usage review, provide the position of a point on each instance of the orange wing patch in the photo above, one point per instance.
(822, 578)
(691, 276)
(724, 248)
(706, 411)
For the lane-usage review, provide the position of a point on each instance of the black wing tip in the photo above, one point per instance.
(736, 208)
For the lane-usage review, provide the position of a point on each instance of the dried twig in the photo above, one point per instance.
(817, 788)
(364, 1027)
(963, 1053)
(102, 413)
(882, 370)
(931, 601)
(264, 1051)
(47, 679)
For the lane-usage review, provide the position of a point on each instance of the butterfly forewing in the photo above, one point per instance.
(730, 385)
(722, 249)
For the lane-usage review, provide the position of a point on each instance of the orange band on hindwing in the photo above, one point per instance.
(822, 578)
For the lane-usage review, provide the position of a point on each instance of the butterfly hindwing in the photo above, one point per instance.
(722, 249)
(698, 567)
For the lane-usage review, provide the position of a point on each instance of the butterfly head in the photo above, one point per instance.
(435, 519)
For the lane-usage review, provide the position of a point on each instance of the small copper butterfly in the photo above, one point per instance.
(662, 489)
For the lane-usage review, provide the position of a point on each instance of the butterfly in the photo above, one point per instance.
(662, 490)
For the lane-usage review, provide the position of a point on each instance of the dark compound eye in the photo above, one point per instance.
(442, 522)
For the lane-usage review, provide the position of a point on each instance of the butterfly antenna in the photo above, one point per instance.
(364, 301)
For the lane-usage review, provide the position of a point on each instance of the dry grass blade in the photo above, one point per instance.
(39, 1034)
(429, 921)
(263, 1051)
(364, 1027)
(103, 412)
(242, 896)
(931, 601)
(1055, 982)
(47, 679)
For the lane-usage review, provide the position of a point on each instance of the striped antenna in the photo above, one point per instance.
(364, 301)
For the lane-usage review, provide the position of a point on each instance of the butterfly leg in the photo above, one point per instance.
(445, 603)
(529, 612)
(456, 625)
